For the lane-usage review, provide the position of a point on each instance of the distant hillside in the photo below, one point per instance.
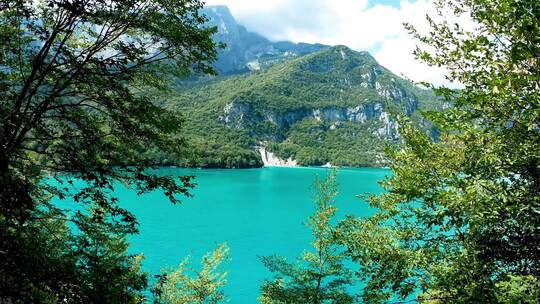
(245, 50)
(333, 106)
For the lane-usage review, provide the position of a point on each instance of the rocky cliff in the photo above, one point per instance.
(239, 115)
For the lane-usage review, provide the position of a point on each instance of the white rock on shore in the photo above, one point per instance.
(328, 165)
(270, 160)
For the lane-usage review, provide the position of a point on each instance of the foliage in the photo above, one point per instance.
(73, 108)
(177, 287)
(50, 264)
(460, 221)
(518, 289)
(319, 276)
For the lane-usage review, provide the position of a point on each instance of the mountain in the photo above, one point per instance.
(245, 50)
(331, 106)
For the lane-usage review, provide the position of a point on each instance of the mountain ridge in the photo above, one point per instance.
(247, 50)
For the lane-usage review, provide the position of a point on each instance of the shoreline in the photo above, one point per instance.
(271, 166)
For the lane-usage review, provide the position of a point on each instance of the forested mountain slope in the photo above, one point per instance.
(333, 106)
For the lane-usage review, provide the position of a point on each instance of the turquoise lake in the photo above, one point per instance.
(257, 212)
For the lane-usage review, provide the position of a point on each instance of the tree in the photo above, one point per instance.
(178, 287)
(76, 79)
(460, 222)
(319, 276)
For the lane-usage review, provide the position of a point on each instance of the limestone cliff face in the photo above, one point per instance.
(242, 114)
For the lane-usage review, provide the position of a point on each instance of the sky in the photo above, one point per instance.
(363, 25)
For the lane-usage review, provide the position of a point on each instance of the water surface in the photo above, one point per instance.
(257, 212)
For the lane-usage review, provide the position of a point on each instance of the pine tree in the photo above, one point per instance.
(320, 275)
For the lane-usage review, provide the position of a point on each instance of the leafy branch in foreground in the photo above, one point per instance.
(460, 221)
(178, 287)
(76, 79)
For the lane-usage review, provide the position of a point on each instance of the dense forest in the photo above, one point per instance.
(86, 98)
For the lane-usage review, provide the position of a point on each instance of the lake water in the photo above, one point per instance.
(257, 212)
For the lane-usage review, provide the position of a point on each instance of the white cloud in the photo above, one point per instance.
(376, 28)
(396, 55)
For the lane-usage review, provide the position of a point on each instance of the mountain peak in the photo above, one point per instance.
(220, 16)
(345, 51)
(338, 58)
(247, 50)
(341, 47)
(218, 9)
